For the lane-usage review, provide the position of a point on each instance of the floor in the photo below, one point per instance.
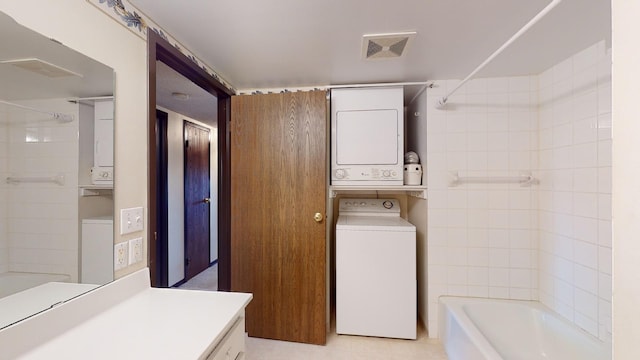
(206, 280)
(343, 347)
(338, 347)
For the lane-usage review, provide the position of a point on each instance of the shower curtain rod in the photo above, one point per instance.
(56, 115)
(443, 101)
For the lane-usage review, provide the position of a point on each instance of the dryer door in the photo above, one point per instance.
(367, 137)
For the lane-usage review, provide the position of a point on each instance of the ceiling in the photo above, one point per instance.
(288, 43)
(200, 105)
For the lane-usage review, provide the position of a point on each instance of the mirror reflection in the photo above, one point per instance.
(56, 172)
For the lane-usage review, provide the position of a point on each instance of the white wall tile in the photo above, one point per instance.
(588, 324)
(605, 260)
(585, 204)
(499, 258)
(520, 258)
(456, 275)
(499, 238)
(497, 122)
(586, 155)
(536, 242)
(456, 256)
(604, 180)
(563, 291)
(604, 152)
(605, 286)
(478, 237)
(585, 180)
(457, 237)
(585, 253)
(585, 105)
(478, 257)
(586, 229)
(585, 278)
(604, 233)
(585, 130)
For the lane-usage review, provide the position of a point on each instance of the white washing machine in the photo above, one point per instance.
(375, 270)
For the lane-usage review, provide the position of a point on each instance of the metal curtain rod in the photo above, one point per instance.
(524, 29)
(58, 116)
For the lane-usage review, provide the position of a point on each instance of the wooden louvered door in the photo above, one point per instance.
(278, 185)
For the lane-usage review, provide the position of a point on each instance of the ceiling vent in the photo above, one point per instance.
(41, 67)
(380, 46)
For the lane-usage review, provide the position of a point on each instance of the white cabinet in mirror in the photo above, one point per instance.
(49, 98)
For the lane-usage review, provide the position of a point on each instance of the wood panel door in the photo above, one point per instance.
(197, 181)
(278, 185)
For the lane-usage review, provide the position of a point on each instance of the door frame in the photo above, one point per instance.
(160, 49)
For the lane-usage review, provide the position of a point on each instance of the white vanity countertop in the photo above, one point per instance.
(25, 303)
(150, 323)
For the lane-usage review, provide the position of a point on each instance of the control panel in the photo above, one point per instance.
(102, 175)
(369, 206)
(373, 173)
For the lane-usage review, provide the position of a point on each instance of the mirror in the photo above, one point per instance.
(56, 168)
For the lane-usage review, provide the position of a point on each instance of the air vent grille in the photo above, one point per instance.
(386, 45)
(41, 67)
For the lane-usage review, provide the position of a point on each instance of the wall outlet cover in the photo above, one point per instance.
(120, 255)
(135, 250)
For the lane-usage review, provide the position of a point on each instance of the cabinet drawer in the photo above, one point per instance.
(232, 345)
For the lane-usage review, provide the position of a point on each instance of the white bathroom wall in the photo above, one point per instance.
(575, 189)
(482, 238)
(626, 171)
(4, 158)
(416, 129)
(42, 218)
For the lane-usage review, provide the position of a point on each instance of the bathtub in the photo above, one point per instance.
(14, 282)
(488, 329)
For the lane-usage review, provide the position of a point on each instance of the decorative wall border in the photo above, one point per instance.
(136, 21)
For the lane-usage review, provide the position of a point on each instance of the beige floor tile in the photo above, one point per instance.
(345, 347)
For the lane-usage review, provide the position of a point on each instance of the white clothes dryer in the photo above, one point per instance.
(376, 281)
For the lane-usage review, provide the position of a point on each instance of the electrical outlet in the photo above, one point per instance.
(131, 220)
(120, 255)
(135, 250)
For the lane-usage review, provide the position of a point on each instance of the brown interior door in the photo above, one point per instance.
(278, 184)
(196, 199)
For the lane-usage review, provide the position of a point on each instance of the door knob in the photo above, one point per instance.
(206, 200)
(318, 217)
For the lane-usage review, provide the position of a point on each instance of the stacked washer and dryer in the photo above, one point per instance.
(376, 281)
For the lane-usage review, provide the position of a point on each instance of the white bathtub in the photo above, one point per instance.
(488, 329)
(14, 282)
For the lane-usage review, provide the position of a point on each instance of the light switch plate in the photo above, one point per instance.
(131, 220)
(120, 255)
(135, 250)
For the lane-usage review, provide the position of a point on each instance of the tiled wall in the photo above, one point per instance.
(482, 237)
(42, 218)
(575, 189)
(550, 241)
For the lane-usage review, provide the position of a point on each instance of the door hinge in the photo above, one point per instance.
(187, 261)
(186, 143)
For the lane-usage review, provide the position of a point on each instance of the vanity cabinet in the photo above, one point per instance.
(232, 345)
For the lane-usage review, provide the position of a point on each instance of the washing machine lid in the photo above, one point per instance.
(373, 223)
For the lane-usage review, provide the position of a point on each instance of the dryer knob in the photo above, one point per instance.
(340, 173)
